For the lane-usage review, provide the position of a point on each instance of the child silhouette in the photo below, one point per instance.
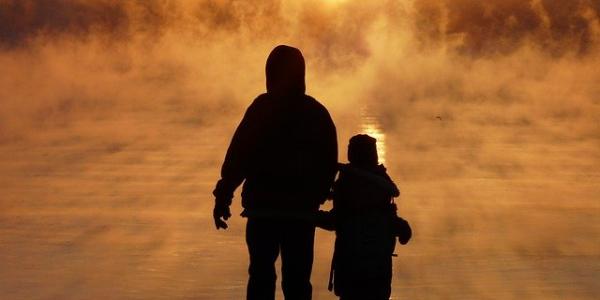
(364, 218)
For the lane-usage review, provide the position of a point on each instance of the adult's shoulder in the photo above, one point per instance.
(260, 100)
(259, 104)
(316, 105)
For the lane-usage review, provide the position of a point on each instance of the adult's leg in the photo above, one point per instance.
(297, 244)
(262, 237)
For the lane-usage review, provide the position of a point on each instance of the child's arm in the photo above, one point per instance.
(395, 191)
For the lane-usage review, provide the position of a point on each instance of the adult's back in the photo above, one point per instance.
(285, 147)
(290, 155)
(285, 152)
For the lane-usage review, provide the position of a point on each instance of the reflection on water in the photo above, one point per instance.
(370, 125)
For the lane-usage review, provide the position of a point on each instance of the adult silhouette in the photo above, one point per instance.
(285, 152)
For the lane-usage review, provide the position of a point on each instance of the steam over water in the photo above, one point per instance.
(115, 117)
(370, 125)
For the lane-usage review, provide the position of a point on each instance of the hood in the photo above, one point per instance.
(362, 151)
(285, 71)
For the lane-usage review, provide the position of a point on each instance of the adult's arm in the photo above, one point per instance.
(330, 151)
(233, 171)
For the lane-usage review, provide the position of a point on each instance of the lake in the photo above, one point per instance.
(119, 207)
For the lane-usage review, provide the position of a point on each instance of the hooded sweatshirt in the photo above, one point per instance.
(284, 149)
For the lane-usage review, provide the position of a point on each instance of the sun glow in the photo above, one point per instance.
(334, 2)
(370, 125)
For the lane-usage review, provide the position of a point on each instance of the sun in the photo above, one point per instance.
(334, 2)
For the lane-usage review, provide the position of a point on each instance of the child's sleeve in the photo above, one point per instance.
(393, 188)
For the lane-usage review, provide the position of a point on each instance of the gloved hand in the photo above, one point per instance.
(402, 230)
(221, 213)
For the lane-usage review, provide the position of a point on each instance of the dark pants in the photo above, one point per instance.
(265, 239)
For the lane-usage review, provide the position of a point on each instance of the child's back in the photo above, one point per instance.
(363, 215)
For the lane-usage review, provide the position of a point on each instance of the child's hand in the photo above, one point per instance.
(343, 167)
(325, 220)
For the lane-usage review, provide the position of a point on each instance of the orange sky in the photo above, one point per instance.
(195, 51)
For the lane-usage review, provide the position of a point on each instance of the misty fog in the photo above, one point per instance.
(115, 117)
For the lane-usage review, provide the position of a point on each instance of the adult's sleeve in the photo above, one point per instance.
(330, 156)
(233, 171)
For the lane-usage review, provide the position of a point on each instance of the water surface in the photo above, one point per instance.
(124, 213)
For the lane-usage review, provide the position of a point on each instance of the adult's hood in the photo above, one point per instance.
(285, 71)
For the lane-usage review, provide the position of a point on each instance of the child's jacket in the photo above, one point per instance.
(363, 214)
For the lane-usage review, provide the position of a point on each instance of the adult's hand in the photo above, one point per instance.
(221, 213)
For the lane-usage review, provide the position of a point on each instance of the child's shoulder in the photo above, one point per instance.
(352, 170)
(376, 176)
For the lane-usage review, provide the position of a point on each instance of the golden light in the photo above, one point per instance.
(370, 126)
(334, 2)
